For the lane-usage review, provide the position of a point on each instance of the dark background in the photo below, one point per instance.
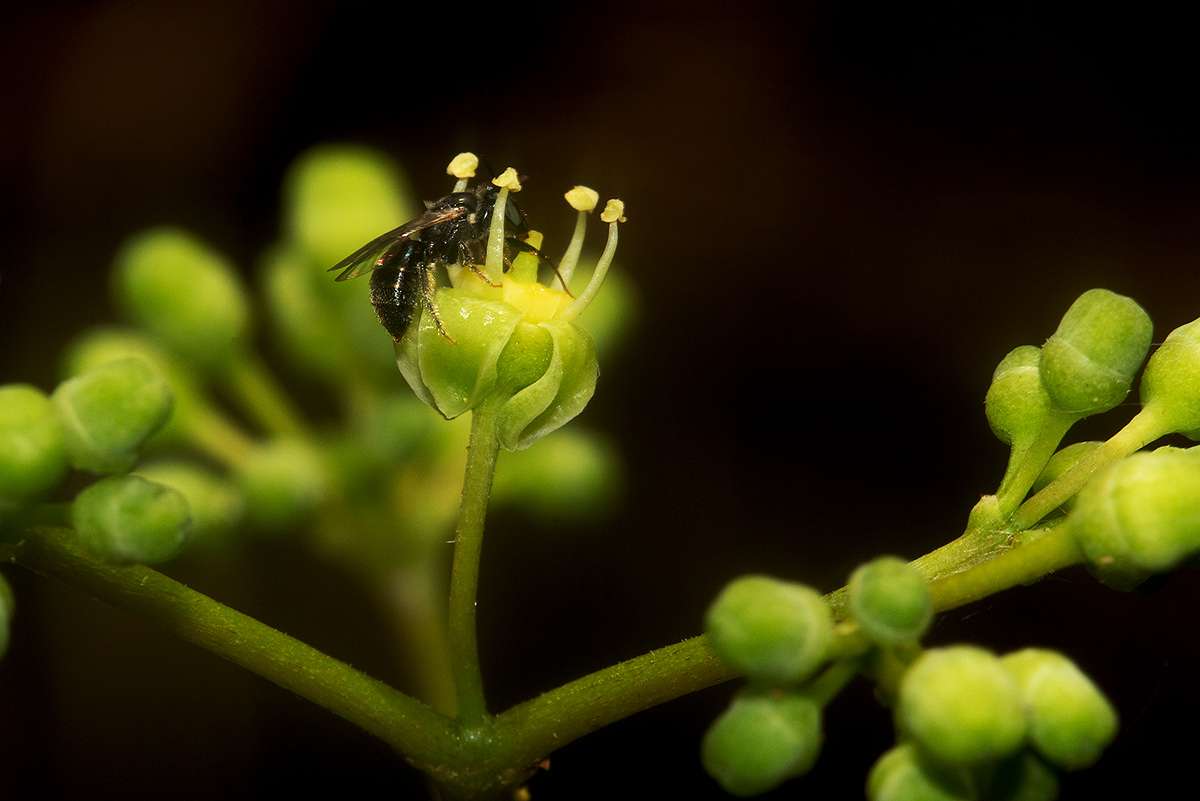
(841, 216)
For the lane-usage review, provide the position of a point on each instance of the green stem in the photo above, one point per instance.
(529, 731)
(1139, 432)
(260, 395)
(464, 572)
(1029, 463)
(1039, 553)
(409, 726)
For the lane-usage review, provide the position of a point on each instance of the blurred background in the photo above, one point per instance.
(841, 217)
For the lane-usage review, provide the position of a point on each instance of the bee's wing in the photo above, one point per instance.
(376, 253)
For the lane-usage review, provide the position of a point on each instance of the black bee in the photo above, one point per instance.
(453, 229)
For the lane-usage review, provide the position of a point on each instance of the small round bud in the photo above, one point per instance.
(890, 601)
(185, 293)
(1171, 382)
(336, 197)
(109, 411)
(127, 519)
(1140, 516)
(762, 740)
(1070, 720)
(1087, 366)
(33, 454)
(902, 774)
(771, 630)
(283, 482)
(961, 706)
(1016, 402)
(573, 475)
(216, 505)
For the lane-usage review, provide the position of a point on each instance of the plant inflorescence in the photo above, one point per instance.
(133, 461)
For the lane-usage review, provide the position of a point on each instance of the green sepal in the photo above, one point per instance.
(563, 390)
(1171, 382)
(1087, 366)
(455, 377)
(109, 411)
(128, 519)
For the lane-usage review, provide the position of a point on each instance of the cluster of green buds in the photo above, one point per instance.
(94, 422)
(1132, 515)
(974, 725)
(229, 452)
(782, 636)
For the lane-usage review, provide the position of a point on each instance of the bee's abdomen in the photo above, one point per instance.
(396, 295)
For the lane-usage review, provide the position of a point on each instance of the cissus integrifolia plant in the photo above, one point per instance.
(171, 438)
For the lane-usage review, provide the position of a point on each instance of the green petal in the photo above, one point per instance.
(561, 393)
(454, 378)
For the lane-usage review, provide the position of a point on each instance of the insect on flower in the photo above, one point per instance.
(453, 230)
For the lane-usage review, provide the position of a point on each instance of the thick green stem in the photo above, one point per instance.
(1027, 465)
(404, 723)
(1038, 554)
(464, 573)
(1139, 432)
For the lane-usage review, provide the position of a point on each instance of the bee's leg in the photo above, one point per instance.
(469, 259)
(428, 284)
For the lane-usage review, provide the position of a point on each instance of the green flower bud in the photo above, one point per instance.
(1140, 516)
(338, 196)
(770, 629)
(1088, 365)
(101, 346)
(185, 293)
(571, 475)
(762, 740)
(1070, 720)
(109, 411)
(33, 454)
(1023, 777)
(216, 505)
(961, 706)
(1016, 402)
(1171, 382)
(127, 519)
(902, 774)
(283, 482)
(890, 601)
(7, 607)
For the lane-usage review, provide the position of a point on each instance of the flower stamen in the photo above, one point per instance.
(614, 213)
